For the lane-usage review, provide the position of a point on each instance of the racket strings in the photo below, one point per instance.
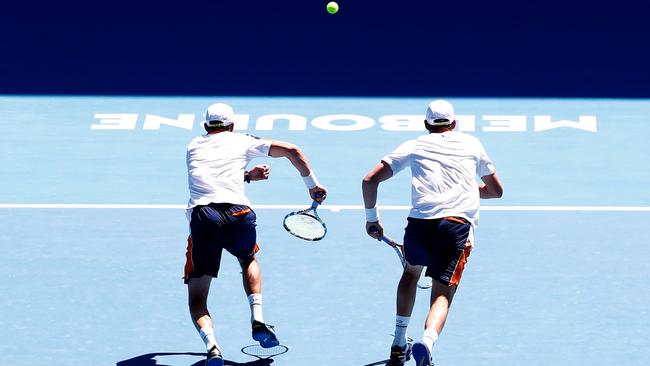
(261, 352)
(304, 226)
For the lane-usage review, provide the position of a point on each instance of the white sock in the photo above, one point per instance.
(401, 323)
(429, 338)
(255, 301)
(207, 334)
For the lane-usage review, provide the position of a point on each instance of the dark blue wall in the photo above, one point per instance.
(293, 47)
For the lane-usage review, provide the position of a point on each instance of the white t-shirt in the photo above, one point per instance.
(444, 167)
(216, 165)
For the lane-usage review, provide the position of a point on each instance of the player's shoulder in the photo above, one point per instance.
(413, 141)
(249, 136)
(406, 146)
(465, 137)
(196, 141)
(248, 139)
(471, 143)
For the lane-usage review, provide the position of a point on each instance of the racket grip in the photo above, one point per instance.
(315, 203)
(384, 238)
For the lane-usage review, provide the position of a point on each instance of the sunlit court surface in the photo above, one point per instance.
(94, 233)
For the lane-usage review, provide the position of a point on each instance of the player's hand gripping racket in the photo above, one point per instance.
(424, 282)
(306, 224)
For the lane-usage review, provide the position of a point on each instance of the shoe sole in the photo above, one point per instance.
(215, 362)
(395, 363)
(421, 354)
(265, 340)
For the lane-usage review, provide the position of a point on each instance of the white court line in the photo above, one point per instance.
(333, 208)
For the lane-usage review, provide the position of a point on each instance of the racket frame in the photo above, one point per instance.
(247, 350)
(311, 212)
(423, 282)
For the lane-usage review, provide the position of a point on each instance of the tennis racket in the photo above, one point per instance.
(306, 224)
(262, 353)
(424, 282)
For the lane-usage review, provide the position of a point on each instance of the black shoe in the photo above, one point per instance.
(399, 355)
(264, 334)
(214, 357)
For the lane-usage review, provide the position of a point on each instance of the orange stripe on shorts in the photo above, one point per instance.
(189, 265)
(242, 212)
(460, 267)
(456, 219)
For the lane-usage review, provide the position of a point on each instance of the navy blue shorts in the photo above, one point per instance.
(215, 227)
(443, 245)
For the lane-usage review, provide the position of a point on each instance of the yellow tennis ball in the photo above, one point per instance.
(332, 7)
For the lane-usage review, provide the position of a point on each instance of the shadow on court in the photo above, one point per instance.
(384, 362)
(149, 359)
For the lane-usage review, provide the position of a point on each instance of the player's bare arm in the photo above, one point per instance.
(281, 149)
(369, 187)
(491, 187)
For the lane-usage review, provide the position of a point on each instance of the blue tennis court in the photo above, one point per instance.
(93, 233)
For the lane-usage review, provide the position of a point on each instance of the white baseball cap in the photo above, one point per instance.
(440, 113)
(219, 115)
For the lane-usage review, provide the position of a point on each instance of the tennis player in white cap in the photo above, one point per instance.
(221, 217)
(445, 196)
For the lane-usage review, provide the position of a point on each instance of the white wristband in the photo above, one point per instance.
(310, 181)
(372, 215)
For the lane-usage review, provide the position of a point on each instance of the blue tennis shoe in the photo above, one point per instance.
(264, 334)
(214, 357)
(422, 354)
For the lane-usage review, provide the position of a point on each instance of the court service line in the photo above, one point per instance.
(333, 208)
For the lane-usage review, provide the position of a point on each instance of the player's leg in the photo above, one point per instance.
(407, 288)
(400, 351)
(203, 262)
(415, 249)
(417, 236)
(251, 275)
(245, 247)
(453, 245)
(406, 293)
(198, 289)
(252, 278)
(456, 241)
(441, 297)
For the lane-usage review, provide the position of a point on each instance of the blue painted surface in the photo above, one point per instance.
(51, 154)
(103, 287)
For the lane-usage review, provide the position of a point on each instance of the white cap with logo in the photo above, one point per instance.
(219, 115)
(440, 113)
